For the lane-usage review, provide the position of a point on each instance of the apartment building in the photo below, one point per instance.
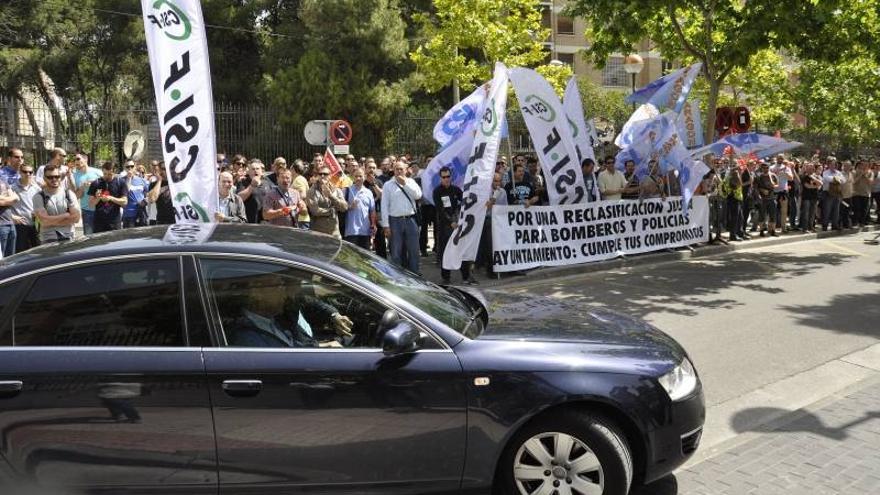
(567, 42)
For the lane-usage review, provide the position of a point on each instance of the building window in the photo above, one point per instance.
(564, 25)
(566, 58)
(614, 74)
(545, 18)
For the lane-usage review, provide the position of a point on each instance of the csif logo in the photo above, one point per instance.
(171, 19)
(538, 107)
(187, 209)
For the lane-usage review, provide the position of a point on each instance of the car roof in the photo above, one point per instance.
(266, 240)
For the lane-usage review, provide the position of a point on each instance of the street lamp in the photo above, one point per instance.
(633, 64)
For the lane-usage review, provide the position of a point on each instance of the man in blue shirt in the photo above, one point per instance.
(360, 223)
(10, 172)
(134, 214)
(83, 176)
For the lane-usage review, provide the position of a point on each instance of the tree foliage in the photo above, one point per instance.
(464, 38)
(722, 34)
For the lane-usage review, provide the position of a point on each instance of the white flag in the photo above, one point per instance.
(455, 156)
(178, 52)
(582, 132)
(551, 132)
(460, 119)
(477, 186)
(690, 127)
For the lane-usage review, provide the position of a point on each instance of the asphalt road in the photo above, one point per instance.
(770, 329)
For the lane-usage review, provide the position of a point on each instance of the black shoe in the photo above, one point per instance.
(773, 233)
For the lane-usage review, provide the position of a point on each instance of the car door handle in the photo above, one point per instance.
(10, 388)
(242, 388)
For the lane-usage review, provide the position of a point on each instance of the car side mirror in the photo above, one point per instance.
(389, 319)
(400, 339)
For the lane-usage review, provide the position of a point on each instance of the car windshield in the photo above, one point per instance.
(450, 308)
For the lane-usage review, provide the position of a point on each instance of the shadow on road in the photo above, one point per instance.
(762, 419)
(666, 288)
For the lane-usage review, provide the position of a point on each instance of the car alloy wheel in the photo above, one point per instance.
(555, 463)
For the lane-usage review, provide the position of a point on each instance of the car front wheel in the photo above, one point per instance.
(567, 453)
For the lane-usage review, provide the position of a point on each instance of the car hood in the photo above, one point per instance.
(534, 319)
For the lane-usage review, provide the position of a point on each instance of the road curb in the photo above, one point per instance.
(658, 257)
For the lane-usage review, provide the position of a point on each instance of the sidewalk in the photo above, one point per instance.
(832, 447)
(430, 268)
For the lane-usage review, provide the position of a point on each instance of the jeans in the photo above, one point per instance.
(794, 203)
(846, 213)
(734, 217)
(808, 214)
(26, 237)
(362, 241)
(405, 242)
(88, 220)
(860, 209)
(830, 212)
(428, 213)
(7, 240)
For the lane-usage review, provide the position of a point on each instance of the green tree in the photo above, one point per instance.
(842, 100)
(353, 66)
(722, 34)
(464, 38)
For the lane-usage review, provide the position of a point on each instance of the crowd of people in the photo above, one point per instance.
(383, 205)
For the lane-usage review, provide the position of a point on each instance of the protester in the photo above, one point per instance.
(83, 175)
(651, 186)
(160, 195)
(301, 185)
(591, 182)
(277, 165)
(484, 252)
(57, 159)
(10, 172)
(766, 183)
(832, 189)
(56, 208)
(375, 184)
(283, 203)
(360, 223)
(231, 206)
(26, 235)
(631, 190)
(447, 200)
(325, 202)
(783, 175)
(734, 193)
(253, 189)
(399, 220)
(134, 213)
(108, 195)
(846, 195)
(748, 205)
(8, 199)
(863, 178)
(519, 190)
(711, 186)
(811, 183)
(612, 182)
(875, 191)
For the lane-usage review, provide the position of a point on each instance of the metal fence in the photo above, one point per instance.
(256, 131)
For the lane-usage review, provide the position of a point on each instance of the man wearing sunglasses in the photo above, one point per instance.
(56, 208)
(134, 214)
(447, 201)
(325, 202)
(10, 172)
(26, 235)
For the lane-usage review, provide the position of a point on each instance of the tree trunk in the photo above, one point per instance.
(32, 120)
(47, 92)
(711, 106)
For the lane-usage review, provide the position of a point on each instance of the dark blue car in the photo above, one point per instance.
(254, 360)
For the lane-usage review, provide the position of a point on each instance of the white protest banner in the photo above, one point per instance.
(581, 132)
(524, 238)
(551, 133)
(178, 52)
(455, 156)
(477, 186)
(460, 119)
(690, 125)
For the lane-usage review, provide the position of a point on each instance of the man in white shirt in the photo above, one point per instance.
(832, 191)
(783, 174)
(57, 159)
(612, 182)
(399, 196)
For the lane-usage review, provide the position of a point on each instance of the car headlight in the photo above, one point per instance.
(681, 381)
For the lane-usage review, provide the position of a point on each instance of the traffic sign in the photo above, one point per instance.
(340, 132)
(340, 149)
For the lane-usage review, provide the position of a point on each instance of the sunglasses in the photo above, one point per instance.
(445, 176)
(129, 166)
(324, 174)
(53, 177)
(27, 172)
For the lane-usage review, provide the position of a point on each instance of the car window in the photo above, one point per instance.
(274, 305)
(430, 298)
(126, 303)
(7, 292)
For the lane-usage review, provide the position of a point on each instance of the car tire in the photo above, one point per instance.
(585, 433)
